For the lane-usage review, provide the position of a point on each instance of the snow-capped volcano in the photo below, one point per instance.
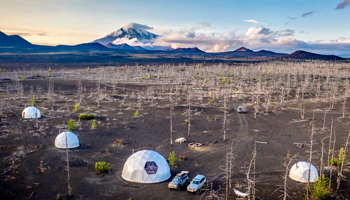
(129, 33)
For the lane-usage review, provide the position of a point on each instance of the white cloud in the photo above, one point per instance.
(253, 21)
(213, 42)
(131, 25)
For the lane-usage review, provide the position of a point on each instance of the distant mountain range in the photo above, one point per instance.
(16, 44)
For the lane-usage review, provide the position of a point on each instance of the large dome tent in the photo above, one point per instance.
(300, 172)
(31, 113)
(72, 140)
(146, 166)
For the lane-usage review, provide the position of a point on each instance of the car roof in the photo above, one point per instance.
(182, 173)
(198, 177)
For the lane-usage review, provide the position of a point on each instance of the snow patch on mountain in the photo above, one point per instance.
(130, 33)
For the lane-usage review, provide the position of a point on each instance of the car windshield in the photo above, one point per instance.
(195, 182)
(177, 179)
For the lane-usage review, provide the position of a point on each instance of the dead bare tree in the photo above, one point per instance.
(80, 90)
(322, 151)
(297, 95)
(267, 97)
(41, 167)
(251, 183)
(324, 121)
(68, 177)
(310, 157)
(98, 92)
(343, 108)
(212, 194)
(281, 100)
(224, 122)
(189, 112)
(330, 142)
(227, 175)
(19, 86)
(256, 105)
(331, 171)
(230, 169)
(289, 158)
(51, 93)
(302, 111)
(171, 126)
(342, 157)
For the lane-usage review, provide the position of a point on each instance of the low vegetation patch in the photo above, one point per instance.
(172, 158)
(86, 117)
(102, 167)
(319, 189)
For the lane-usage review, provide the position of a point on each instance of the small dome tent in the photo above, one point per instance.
(146, 167)
(31, 113)
(72, 140)
(300, 172)
(242, 109)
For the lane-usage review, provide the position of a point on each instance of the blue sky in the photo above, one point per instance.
(280, 23)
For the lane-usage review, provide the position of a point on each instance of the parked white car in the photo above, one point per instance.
(180, 140)
(197, 183)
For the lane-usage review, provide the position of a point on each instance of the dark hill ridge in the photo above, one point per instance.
(13, 41)
(124, 46)
(193, 50)
(245, 52)
(243, 49)
(139, 48)
(304, 55)
(119, 46)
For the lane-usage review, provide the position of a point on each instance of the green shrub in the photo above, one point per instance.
(76, 107)
(71, 125)
(338, 161)
(172, 158)
(86, 117)
(182, 157)
(101, 167)
(93, 124)
(341, 156)
(136, 114)
(224, 80)
(319, 189)
(334, 162)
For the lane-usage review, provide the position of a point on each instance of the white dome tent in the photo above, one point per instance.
(31, 113)
(146, 167)
(300, 172)
(72, 140)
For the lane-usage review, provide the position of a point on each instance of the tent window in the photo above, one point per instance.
(151, 167)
